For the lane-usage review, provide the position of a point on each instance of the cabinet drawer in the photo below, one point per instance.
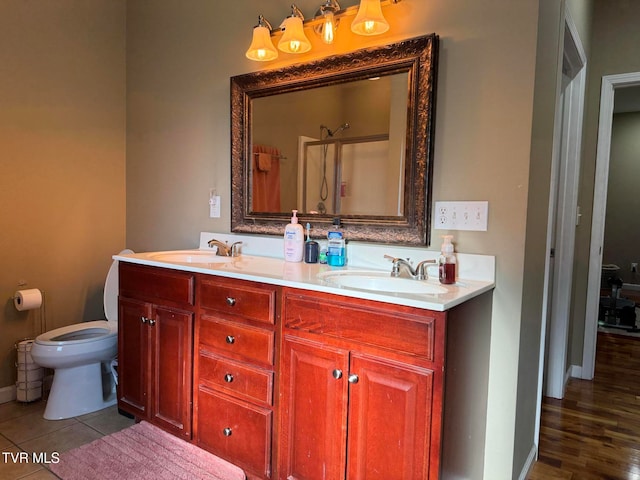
(153, 284)
(236, 431)
(236, 340)
(253, 383)
(250, 300)
(361, 321)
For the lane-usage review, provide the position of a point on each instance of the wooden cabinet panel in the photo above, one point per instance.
(236, 378)
(238, 341)
(313, 411)
(156, 284)
(172, 360)
(385, 422)
(234, 387)
(369, 323)
(134, 357)
(155, 346)
(235, 430)
(236, 297)
(389, 412)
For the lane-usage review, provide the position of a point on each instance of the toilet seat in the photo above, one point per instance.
(78, 333)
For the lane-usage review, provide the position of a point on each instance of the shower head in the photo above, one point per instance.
(331, 133)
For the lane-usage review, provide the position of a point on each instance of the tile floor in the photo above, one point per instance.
(22, 429)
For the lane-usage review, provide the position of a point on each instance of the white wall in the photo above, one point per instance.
(62, 181)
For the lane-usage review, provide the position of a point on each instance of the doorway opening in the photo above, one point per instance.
(610, 83)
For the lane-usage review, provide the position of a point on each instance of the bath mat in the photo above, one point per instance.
(142, 452)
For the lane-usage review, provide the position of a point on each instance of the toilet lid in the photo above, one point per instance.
(111, 290)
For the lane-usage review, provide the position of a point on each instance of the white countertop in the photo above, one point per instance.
(475, 274)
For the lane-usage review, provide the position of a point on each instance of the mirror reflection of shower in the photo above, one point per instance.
(325, 133)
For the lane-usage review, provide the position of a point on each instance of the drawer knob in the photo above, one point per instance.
(231, 301)
(231, 339)
(353, 378)
(152, 322)
(228, 378)
(337, 374)
(144, 319)
(227, 432)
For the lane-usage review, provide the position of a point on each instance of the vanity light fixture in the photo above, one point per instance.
(262, 49)
(293, 39)
(369, 20)
(329, 23)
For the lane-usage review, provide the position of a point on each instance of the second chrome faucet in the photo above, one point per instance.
(398, 264)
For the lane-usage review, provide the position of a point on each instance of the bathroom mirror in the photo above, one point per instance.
(348, 136)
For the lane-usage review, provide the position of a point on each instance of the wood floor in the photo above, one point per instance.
(594, 432)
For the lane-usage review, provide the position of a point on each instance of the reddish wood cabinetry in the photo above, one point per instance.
(361, 389)
(283, 382)
(155, 335)
(234, 372)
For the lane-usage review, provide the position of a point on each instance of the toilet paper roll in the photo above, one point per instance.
(27, 299)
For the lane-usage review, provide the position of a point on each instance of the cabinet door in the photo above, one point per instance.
(314, 392)
(389, 419)
(172, 334)
(133, 357)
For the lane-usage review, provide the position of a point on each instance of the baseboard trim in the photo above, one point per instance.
(7, 394)
(528, 465)
(576, 371)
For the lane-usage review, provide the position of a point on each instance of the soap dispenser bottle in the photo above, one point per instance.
(293, 240)
(447, 262)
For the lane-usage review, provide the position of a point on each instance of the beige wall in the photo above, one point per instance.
(622, 224)
(615, 41)
(180, 56)
(62, 131)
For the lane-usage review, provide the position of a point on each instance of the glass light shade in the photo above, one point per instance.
(328, 27)
(369, 20)
(293, 39)
(262, 49)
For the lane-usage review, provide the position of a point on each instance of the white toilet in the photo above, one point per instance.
(81, 355)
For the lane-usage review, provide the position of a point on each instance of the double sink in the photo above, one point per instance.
(368, 280)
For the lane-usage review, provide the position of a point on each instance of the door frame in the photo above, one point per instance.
(562, 218)
(603, 151)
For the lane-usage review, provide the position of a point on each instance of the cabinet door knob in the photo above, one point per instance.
(227, 432)
(231, 301)
(353, 378)
(337, 374)
(143, 319)
(228, 378)
(152, 322)
(231, 339)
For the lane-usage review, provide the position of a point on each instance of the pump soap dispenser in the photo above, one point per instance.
(293, 240)
(447, 262)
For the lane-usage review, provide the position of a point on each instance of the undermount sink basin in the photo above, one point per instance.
(379, 282)
(190, 256)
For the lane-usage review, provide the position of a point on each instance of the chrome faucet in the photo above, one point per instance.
(224, 249)
(419, 273)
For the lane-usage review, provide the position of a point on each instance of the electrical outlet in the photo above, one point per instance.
(461, 216)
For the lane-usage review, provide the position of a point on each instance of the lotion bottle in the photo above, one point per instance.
(293, 240)
(447, 262)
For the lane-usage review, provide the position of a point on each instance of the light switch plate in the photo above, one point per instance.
(461, 216)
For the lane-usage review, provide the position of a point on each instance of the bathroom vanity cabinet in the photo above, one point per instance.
(286, 383)
(155, 334)
(234, 371)
(361, 389)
